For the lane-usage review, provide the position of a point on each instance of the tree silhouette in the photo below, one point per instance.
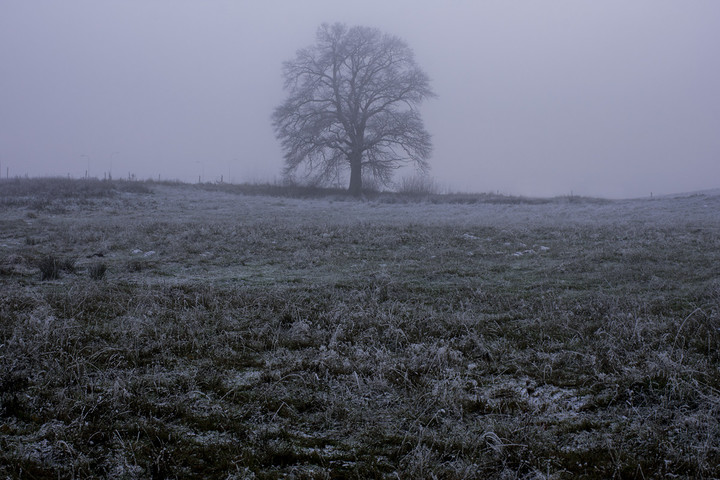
(353, 103)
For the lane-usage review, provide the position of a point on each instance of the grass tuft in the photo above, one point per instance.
(50, 267)
(97, 270)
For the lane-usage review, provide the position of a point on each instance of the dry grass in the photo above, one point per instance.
(259, 337)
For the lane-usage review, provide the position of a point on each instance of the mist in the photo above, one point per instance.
(611, 99)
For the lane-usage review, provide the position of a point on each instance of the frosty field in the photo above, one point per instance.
(179, 331)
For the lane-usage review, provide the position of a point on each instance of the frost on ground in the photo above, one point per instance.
(271, 337)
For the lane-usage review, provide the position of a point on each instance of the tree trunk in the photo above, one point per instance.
(355, 188)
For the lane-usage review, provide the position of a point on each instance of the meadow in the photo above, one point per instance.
(154, 330)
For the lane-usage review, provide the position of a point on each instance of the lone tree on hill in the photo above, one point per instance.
(353, 102)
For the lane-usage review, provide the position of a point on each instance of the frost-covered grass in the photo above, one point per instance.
(44, 192)
(235, 336)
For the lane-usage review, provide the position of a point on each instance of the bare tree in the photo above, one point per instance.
(353, 102)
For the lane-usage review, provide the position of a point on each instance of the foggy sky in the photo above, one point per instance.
(611, 98)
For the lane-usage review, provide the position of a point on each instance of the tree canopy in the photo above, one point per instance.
(353, 103)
